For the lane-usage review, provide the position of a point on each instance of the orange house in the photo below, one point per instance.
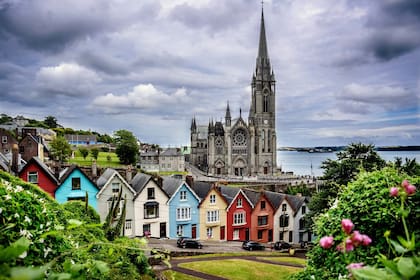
(262, 219)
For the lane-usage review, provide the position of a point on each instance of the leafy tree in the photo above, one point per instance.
(50, 121)
(94, 152)
(302, 189)
(410, 166)
(84, 152)
(4, 119)
(60, 148)
(127, 147)
(105, 138)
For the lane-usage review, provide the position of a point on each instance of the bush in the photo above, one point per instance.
(77, 210)
(367, 202)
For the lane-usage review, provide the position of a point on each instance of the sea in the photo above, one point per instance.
(305, 163)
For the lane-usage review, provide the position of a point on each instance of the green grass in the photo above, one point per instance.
(102, 160)
(244, 253)
(241, 269)
(170, 274)
(285, 260)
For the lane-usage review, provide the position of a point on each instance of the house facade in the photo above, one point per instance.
(262, 220)
(109, 184)
(7, 141)
(151, 210)
(172, 159)
(31, 146)
(36, 172)
(183, 204)
(238, 217)
(284, 222)
(75, 185)
(149, 160)
(213, 215)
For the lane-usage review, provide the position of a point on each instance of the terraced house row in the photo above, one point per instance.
(170, 207)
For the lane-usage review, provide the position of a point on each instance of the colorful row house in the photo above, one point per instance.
(172, 207)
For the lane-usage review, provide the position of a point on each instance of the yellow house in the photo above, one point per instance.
(213, 215)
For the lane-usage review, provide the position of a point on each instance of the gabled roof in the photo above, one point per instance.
(236, 196)
(275, 198)
(65, 173)
(201, 188)
(172, 182)
(107, 176)
(140, 181)
(43, 166)
(229, 193)
(217, 189)
(252, 195)
(171, 152)
(295, 202)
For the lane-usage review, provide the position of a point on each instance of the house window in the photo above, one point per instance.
(151, 210)
(262, 204)
(183, 214)
(183, 195)
(302, 224)
(146, 229)
(212, 199)
(33, 177)
(4, 139)
(303, 209)
(128, 224)
(284, 207)
(262, 220)
(150, 193)
(115, 188)
(209, 232)
(180, 230)
(235, 234)
(239, 203)
(281, 235)
(260, 234)
(120, 207)
(239, 218)
(75, 183)
(21, 149)
(290, 236)
(213, 216)
(284, 220)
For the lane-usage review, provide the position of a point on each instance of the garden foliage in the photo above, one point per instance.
(41, 239)
(375, 213)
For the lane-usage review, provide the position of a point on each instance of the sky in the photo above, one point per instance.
(346, 70)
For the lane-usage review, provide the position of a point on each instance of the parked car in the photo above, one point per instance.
(179, 241)
(190, 243)
(280, 245)
(252, 245)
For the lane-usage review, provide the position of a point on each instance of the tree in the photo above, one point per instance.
(84, 152)
(60, 148)
(94, 152)
(50, 121)
(410, 166)
(127, 148)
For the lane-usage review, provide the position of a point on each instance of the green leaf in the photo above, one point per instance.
(27, 273)
(73, 223)
(400, 249)
(406, 267)
(15, 249)
(372, 273)
(102, 266)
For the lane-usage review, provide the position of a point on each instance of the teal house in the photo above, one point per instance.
(75, 184)
(183, 209)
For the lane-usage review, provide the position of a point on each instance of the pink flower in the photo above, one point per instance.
(349, 245)
(347, 225)
(393, 191)
(356, 238)
(354, 266)
(405, 183)
(410, 189)
(326, 242)
(366, 240)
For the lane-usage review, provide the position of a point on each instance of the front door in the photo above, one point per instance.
(270, 235)
(247, 234)
(194, 231)
(222, 233)
(162, 230)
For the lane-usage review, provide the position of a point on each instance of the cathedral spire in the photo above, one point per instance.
(262, 47)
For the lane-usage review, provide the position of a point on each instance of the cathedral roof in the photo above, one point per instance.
(262, 47)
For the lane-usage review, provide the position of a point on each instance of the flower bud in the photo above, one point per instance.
(347, 225)
(410, 189)
(405, 183)
(393, 192)
(366, 240)
(326, 242)
(349, 245)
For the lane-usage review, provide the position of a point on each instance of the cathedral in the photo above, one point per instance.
(242, 148)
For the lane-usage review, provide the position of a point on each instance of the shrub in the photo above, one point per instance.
(77, 210)
(373, 211)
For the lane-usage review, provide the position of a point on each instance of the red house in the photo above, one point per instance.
(36, 172)
(239, 214)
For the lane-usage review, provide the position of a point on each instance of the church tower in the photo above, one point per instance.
(262, 113)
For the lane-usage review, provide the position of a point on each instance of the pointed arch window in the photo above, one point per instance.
(265, 103)
(263, 140)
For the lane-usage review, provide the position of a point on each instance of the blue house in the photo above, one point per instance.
(75, 184)
(183, 209)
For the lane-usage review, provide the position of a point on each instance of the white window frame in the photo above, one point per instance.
(33, 174)
(239, 203)
(209, 232)
(183, 214)
(115, 188)
(4, 139)
(183, 195)
(212, 199)
(239, 218)
(236, 234)
(213, 216)
(180, 230)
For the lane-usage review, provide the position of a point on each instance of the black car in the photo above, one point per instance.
(179, 241)
(252, 245)
(280, 245)
(190, 243)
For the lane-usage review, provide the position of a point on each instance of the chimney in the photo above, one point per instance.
(15, 158)
(129, 173)
(94, 169)
(189, 180)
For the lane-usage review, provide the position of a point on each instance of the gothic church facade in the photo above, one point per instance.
(242, 148)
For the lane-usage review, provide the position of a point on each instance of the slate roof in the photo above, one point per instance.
(229, 193)
(201, 188)
(170, 185)
(139, 181)
(67, 171)
(171, 152)
(252, 195)
(43, 166)
(275, 198)
(108, 173)
(295, 202)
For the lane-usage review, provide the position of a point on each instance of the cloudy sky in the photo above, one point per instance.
(346, 70)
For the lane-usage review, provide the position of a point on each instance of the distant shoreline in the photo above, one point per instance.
(330, 149)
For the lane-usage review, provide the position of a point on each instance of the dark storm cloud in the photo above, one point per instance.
(104, 63)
